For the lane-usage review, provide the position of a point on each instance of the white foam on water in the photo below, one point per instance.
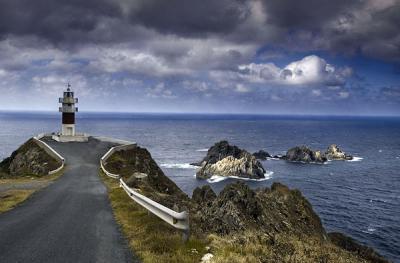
(202, 150)
(369, 230)
(355, 159)
(178, 166)
(217, 178)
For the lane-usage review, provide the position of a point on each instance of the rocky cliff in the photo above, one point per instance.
(270, 210)
(274, 224)
(28, 159)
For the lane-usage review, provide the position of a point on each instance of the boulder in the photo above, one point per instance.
(228, 160)
(304, 154)
(246, 166)
(261, 155)
(334, 153)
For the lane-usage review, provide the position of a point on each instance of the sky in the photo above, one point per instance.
(319, 57)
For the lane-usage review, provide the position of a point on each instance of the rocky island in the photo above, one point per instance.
(226, 160)
(335, 153)
(306, 155)
(262, 155)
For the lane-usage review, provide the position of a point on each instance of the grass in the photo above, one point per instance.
(11, 198)
(151, 239)
(251, 247)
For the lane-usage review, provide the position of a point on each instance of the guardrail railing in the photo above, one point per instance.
(177, 220)
(49, 151)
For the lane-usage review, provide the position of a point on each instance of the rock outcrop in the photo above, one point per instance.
(261, 155)
(239, 208)
(304, 154)
(277, 220)
(27, 160)
(219, 151)
(140, 171)
(203, 195)
(334, 153)
(225, 160)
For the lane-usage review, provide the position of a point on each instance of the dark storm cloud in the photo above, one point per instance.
(342, 26)
(305, 14)
(54, 21)
(185, 17)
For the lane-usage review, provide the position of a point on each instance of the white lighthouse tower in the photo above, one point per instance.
(68, 110)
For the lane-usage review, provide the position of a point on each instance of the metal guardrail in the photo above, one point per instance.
(177, 220)
(50, 151)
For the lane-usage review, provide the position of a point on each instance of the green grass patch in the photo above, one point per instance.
(149, 237)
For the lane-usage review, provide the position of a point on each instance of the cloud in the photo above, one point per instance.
(311, 70)
(154, 49)
(369, 27)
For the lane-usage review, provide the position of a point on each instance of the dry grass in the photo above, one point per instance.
(253, 248)
(11, 198)
(151, 239)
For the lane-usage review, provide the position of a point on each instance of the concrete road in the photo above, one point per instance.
(71, 220)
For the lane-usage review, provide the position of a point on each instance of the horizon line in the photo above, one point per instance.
(208, 113)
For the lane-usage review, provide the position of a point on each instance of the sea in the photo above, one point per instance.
(360, 198)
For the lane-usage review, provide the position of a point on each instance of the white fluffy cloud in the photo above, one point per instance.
(311, 70)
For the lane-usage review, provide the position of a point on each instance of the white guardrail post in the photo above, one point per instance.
(178, 220)
(50, 151)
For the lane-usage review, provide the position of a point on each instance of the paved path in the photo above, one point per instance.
(69, 221)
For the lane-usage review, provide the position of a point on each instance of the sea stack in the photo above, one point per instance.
(335, 153)
(304, 154)
(227, 160)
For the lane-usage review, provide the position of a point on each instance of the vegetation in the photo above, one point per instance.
(11, 198)
(149, 237)
(251, 247)
(23, 188)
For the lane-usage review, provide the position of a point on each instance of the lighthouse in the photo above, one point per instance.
(68, 110)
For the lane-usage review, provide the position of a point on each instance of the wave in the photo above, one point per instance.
(218, 178)
(202, 150)
(178, 166)
(355, 159)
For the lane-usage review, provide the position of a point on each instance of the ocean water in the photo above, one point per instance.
(360, 198)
